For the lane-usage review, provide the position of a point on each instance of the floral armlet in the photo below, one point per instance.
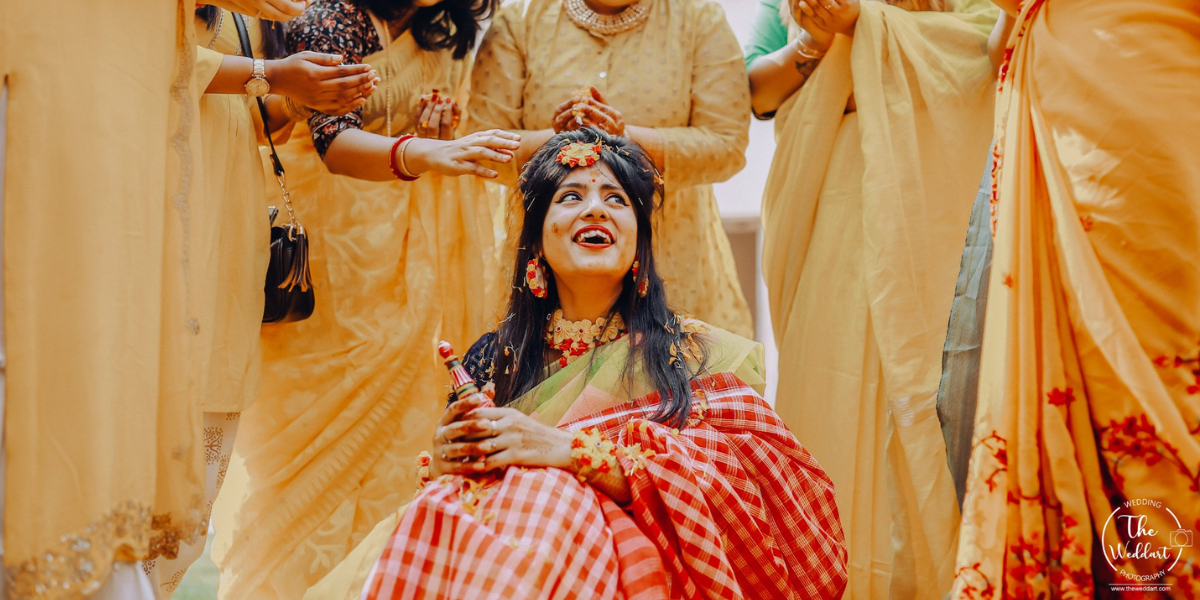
(594, 454)
(423, 475)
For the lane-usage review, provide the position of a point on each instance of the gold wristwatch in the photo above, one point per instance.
(258, 87)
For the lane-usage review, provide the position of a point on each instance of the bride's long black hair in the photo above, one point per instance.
(656, 338)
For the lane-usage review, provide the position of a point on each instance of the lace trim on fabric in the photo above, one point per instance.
(80, 562)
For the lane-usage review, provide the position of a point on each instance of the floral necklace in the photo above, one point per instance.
(629, 18)
(576, 338)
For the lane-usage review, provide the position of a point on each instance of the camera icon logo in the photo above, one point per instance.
(1181, 538)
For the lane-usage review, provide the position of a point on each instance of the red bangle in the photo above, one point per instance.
(392, 159)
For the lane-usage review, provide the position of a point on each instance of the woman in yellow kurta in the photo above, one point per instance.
(864, 215)
(350, 394)
(672, 71)
(102, 318)
(1089, 393)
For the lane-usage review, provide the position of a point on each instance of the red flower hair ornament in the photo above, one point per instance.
(578, 154)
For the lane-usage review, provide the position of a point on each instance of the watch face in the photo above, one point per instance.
(257, 87)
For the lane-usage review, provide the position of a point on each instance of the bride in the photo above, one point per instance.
(621, 450)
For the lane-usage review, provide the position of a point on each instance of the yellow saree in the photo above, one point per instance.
(1089, 393)
(351, 395)
(105, 317)
(864, 217)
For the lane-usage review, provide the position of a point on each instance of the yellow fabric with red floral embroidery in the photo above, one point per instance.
(1089, 393)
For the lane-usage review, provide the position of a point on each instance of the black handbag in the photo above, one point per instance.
(289, 293)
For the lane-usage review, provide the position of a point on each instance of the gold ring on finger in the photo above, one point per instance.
(492, 426)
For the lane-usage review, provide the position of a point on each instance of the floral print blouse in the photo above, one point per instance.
(334, 27)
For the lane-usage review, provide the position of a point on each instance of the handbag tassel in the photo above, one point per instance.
(299, 273)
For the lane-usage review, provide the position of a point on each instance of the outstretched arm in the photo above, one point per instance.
(776, 76)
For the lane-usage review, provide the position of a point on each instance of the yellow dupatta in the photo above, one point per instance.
(890, 186)
(597, 381)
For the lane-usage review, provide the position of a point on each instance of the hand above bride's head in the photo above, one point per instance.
(466, 155)
(588, 108)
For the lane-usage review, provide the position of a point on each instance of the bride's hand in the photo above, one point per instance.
(462, 156)
(506, 437)
(451, 429)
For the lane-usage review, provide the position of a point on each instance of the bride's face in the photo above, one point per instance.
(590, 229)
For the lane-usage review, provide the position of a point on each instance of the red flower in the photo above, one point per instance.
(1059, 397)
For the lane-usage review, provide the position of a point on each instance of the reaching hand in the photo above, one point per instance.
(590, 110)
(463, 155)
(321, 82)
(834, 16)
(275, 10)
(493, 438)
(437, 117)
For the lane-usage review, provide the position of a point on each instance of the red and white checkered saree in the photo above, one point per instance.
(731, 507)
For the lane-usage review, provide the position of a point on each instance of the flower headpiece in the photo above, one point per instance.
(579, 153)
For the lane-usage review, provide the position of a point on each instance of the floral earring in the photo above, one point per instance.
(642, 285)
(535, 277)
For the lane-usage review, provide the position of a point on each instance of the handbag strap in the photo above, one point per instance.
(276, 164)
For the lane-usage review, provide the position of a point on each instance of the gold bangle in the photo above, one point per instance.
(295, 111)
(808, 51)
(403, 166)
